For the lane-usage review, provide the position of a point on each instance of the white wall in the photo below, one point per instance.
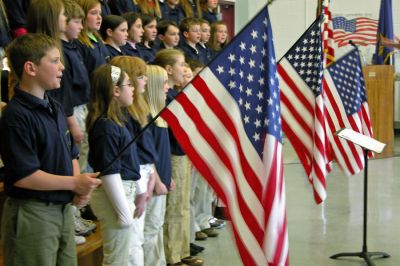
(290, 18)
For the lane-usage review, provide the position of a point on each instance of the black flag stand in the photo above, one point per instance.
(365, 254)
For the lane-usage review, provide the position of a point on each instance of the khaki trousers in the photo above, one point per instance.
(177, 215)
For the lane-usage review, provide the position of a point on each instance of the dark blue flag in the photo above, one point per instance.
(385, 29)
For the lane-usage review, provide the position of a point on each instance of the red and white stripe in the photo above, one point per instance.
(206, 120)
(304, 125)
(348, 156)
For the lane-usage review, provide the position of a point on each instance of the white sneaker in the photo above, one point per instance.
(79, 240)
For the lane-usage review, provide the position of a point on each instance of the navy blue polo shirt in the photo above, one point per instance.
(192, 53)
(175, 14)
(148, 53)
(129, 50)
(163, 164)
(76, 70)
(119, 7)
(93, 57)
(16, 12)
(145, 143)
(175, 147)
(105, 9)
(206, 53)
(34, 138)
(114, 52)
(106, 140)
(210, 16)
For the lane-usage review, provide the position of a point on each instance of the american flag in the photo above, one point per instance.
(228, 122)
(347, 106)
(361, 31)
(303, 111)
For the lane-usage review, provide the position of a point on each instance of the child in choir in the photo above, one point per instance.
(155, 95)
(90, 45)
(177, 216)
(149, 37)
(114, 31)
(139, 115)
(171, 10)
(219, 36)
(113, 202)
(191, 32)
(209, 10)
(135, 34)
(168, 34)
(41, 171)
(76, 71)
(203, 47)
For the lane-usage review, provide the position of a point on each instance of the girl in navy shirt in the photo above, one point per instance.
(149, 36)
(114, 31)
(90, 44)
(139, 112)
(113, 203)
(135, 33)
(155, 95)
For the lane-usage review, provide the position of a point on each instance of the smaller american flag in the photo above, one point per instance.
(361, 31)
(347, 106)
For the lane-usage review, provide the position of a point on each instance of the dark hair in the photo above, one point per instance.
(163, 25)
(131, 18)
(147, 19)
(110, 22)
(30, 47)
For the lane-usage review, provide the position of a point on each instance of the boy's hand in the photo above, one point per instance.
(86, 183)
(81, 201)
(160, 189)
(140, 203)
(172, 186)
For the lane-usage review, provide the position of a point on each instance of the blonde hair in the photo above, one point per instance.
(167, 57)
(145, 8)
(134, 67)
(154, 95)
(87, 5)
(102, 102)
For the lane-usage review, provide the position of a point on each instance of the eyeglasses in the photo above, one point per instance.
(128, 84)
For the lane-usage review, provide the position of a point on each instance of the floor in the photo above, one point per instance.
(318, 231)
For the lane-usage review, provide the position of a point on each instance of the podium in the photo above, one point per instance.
(379, 83)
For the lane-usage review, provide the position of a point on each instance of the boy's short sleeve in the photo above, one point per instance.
(18, 151)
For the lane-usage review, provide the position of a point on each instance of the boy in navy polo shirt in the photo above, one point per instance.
(191, 32)
(42, 173)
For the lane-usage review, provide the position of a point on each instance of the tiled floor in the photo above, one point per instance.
(318, 231)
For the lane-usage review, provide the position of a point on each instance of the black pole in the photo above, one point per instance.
(364, 253)
(364, 248)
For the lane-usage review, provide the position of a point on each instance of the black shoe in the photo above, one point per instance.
(197, 247)
(194, 252)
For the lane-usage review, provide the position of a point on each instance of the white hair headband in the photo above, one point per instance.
(115, 74)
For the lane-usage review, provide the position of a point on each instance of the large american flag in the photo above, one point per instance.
(228, 122)
(347, 106)
(361, 30)
(303, 111)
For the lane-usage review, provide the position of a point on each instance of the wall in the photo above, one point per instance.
(290, 18)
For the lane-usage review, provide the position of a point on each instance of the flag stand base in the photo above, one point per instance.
(364, 253)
